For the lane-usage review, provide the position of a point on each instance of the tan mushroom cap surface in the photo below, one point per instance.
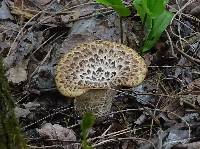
(99, 65)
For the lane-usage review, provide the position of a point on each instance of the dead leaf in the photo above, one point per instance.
(4, 11)
(192, 93)
(195, 11)
(173, 108)
(194, 86)
(73, 16)
(60, 133)
(141, 119)
(42, 2)
(76, 15)
(174, 137)
(193, 145)
(75, 39)
(56, 131)
(20, 12)
(65, 18)
(17, 74)
(148, 59)
(20, 112)
(31, 105)
(3, 46)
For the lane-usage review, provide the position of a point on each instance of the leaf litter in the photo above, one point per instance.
(162, 112)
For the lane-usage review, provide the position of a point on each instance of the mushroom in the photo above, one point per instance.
(92, 71)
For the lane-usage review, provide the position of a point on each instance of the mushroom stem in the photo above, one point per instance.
(97, 101)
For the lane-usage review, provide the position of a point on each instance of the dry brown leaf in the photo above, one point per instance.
(76, 15)
(42, 2)
(192, 93)
(148, 59)
(65, 18)
(17, 74)
(56, 131)
(18, 11)
(73, 16)
(4, 11)
(20, 112)
(194, 86)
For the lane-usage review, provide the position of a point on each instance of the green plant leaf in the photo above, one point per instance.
(86, 123)
(156, 7)
(166, 1)
(148, 25)
(85, 145)
(142, 9)
(121, 10)
(159, 24)
(153, 8)
(155, 19)
(110, 2)
(117, 5)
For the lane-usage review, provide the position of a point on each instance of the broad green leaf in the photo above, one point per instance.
(141, 7)
(156, 7)
(148, 25)
(104, 2)
(121, 10)
(151, 7)
(159, 24)
(110, 2)
(117, 5)
(144, 13)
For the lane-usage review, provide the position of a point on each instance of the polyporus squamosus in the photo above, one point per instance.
(91, 71)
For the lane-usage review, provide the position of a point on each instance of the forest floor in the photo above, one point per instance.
(162, 112)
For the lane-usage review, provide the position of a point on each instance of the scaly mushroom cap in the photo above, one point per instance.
(99, 65)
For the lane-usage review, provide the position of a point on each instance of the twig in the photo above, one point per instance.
(122, 139)
(194, 145)
(178, 20)
(19, 33)
(142, 109)
(44, 147)
(80, 5)
(93, 15)
(121, 29)
(181, 9)
(104, 133)
(43, 139)
(167, 66)
(190, 58)
(45, 58)
(50, 115)
(113, 134)
(186, 15)
(171, 44)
